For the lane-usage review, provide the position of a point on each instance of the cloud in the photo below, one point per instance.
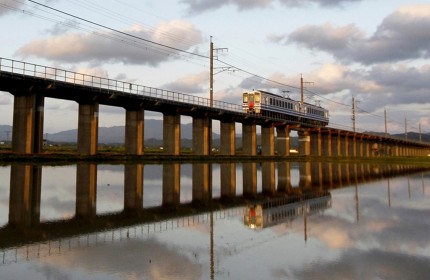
(98, 47)
(357, 264)
(5, 98)
(195, 83)
(10, 6)
(200, 6)
(401, 36)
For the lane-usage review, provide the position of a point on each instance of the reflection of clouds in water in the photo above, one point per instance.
(357, 264)
(393, 229)
(131, 259)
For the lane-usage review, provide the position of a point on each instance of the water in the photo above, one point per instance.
(360, 221)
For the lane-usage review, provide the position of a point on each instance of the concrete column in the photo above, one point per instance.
(283, 140)
(171, 183)
(134, 132)
(201, 136)
(133, 187)
(249, 139)
(304, 143)
(86, 190)
(315, 143)
(172, 134)
(344, 144)
(249, 170)
(352, 148)
(335, 144)
(88, 122)
(25, 194)
(284, 177)
(326, 144)
(202, 182)
(228, 139)
(228, 180)
(268, 140)
(268, 177)
(27, 134)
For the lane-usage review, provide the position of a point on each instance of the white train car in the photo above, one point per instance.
(264, 103)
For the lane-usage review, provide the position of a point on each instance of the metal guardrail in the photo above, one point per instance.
(74, 78)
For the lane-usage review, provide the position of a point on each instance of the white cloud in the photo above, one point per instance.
(403, 35)
(194, 83)
(112, 47)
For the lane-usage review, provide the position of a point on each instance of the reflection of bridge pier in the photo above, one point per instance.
(86, 190)
(305, 181)
(228, 180)
(249, 170)
(268, 177)
(171, 183)
(202, 182)
(133, 187)
(284, 176)
(25, 191)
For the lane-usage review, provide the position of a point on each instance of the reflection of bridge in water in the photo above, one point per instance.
(26, 235)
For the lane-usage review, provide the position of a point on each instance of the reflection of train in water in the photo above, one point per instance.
(280, 210)
(264, 103)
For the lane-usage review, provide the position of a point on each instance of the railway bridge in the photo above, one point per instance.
(30, 84)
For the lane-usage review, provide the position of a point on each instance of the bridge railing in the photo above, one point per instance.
(96, 82)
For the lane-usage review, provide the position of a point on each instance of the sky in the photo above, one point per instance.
(373, 51)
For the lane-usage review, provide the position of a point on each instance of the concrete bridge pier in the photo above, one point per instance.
(228, 139)
(202, 136)
(304, 142)
(171, 183)
(283, 140)
(88, 122)
(335, 144)
(315, 143)
(202, 182)
(249, 139)
(25, 194)
(268, 140)
(27, 134)
(86, 190)
(228, 180)
(134, 132)
(326, 143)
(172, 134)
(133, 187)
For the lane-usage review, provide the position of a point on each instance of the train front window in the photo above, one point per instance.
(251, 98)
(257, 98)
(245, 98)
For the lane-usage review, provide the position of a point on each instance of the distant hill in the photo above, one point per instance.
(154, 135)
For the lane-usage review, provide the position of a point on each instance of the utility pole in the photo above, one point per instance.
(211, 80)
(419, 125)
(353, 114)
(211, 72)
(385, 121)
(406, 130)
(302, 89)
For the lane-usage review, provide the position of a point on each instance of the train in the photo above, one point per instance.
(263, 103)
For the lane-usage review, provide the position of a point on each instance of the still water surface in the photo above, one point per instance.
(366, 222)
